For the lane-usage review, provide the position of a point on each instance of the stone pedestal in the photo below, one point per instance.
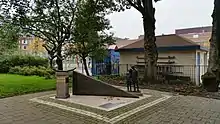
(62, 87)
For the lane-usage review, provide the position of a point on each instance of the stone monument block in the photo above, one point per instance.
(62, 87)
(86, 85)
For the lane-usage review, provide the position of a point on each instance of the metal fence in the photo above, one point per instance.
(194, 72)
(105, 69)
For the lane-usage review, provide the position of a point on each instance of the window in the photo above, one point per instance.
(196, 36)
(24, 47)
(24, 41)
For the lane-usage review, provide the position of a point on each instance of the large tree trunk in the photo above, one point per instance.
(150, 48)
(214, 51)
(150, 55)
(213, 64)
(85, 66)
(59, 60)
(150, 60)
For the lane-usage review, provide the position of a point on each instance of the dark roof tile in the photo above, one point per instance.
(163, 41)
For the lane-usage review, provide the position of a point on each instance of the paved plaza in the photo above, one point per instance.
(157, 108)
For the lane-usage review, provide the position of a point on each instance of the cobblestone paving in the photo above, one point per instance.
(175, 110)
(109, 114)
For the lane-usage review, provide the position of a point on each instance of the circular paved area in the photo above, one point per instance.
(174, 110)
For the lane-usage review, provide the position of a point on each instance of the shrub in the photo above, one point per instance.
(7, 62)
(33, 70)
(111, 77)
(15, 70)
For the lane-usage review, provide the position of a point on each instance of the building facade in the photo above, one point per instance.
(186, 56)
(24, 42)
(32, 45)
(199, 35)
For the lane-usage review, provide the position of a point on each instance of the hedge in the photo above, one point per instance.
(32, 70)
(8, 62)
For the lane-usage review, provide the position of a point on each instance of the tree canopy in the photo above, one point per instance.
(145, 7)
(9, 36)
(50, 20)
(89, 36)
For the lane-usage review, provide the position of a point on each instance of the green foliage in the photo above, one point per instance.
(90, 37)
(147, 10)
(32, 70)
(7, 61)
(111, 77)
(90, 28)
(50, 20)
(99, 54)
(9, 35)
(141, 5)
(12, 85)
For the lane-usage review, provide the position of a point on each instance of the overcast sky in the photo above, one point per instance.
(170, 15)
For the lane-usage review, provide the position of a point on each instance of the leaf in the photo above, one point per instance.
(90, 37)
(8, 37)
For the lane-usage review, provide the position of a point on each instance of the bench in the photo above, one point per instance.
(166, 73)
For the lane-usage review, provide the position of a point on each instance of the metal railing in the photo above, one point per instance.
(194, 72)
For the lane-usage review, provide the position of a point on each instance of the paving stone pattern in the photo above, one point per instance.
(109, 114)
(175, 110)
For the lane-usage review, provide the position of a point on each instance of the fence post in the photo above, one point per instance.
(118, 70)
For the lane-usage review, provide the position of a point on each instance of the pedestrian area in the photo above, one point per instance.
(152, 108)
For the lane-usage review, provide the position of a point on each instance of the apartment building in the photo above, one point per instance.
(199, 35)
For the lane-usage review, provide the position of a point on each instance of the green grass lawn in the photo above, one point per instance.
(11, 85)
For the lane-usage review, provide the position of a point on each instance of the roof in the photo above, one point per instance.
(165, 41)
(194, 30)
(121, 43)
(112, 47)
(198, 37)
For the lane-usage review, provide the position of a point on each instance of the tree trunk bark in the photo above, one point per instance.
(150, 59)
(85, 66)
(59, 60)
(150, 48)
(214, 51)
(213, 63)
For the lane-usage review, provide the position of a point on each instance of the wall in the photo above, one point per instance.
(199, 38)
(194, 30)
(187, 60)
(127, 59)
(33, 46)
(112, 60)
(182, 57)
(193, 63)
(201, 65)
(24, 42)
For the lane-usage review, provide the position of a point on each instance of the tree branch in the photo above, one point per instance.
(139, 5)
(43, 33)
(59, 17)
(135, 6)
